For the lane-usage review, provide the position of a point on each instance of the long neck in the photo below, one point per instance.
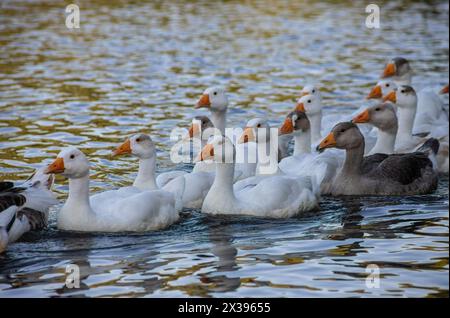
(218, 119)
(283, 143)
(385, 142)
(79, 194)
(302, 142)
(406, 121)
(145, 179)
(223, 181)
(353, 160)
(316, 126)
(405, 79)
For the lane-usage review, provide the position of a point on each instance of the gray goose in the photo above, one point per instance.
(379, 174)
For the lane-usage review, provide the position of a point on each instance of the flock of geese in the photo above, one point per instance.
(396, 146)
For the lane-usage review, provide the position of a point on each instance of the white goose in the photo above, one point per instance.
(303, 162)
(216, 100)
(430, 108)
(189, 189)
(283, 196)
(24, 207)
(126, 209)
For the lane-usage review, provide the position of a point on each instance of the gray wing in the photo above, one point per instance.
(403, 168)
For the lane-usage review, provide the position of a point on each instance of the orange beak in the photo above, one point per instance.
(193, 130)
(124, 148)
(300, 107)
(392, 97)
(56, 167)
(247, 136)
(362, 118)
(328, 142)
(207, 152)
(389, 70)
(444, 90)
(375, 92)
(287, 127)
(203, 101)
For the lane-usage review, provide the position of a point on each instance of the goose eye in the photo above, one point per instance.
(215, 93)
(342, 130)
(138, 139)
(309, 101)
(72, 156)
(259, 125)
(377, 109)
(387, 85)
(402, 90)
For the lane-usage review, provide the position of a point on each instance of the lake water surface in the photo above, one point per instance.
(135, 66)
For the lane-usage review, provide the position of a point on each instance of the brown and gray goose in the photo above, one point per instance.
(378, 174)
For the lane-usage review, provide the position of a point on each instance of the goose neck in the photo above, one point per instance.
(218, 119)
(353, 160)
(145, 179)
(302, 142)
(316, 126)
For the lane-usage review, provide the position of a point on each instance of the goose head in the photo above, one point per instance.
(220, 150)
(296, 122)
(345, 135)
(444, 90)
(139, 145)
(403, 96)
(199, 125)
(310, 90)
(381, 116)
(397, 67)
(382, 88)
(255, 130)
(310, 104)
(213, 98)
(71, 163)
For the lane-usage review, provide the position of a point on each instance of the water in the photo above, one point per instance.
(140, 67)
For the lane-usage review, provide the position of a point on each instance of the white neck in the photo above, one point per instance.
(302, 142)
(78, 203)
(223, 182)
(145, 179)
(218, 119)
(405, 122)
(316, 126)
(385, 142)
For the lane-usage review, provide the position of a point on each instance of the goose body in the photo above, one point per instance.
(283, 196)
(24, 207)
(125, 209)
(378, 174)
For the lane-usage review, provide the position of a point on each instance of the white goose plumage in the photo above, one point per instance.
(125, 209)
(283, 196)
